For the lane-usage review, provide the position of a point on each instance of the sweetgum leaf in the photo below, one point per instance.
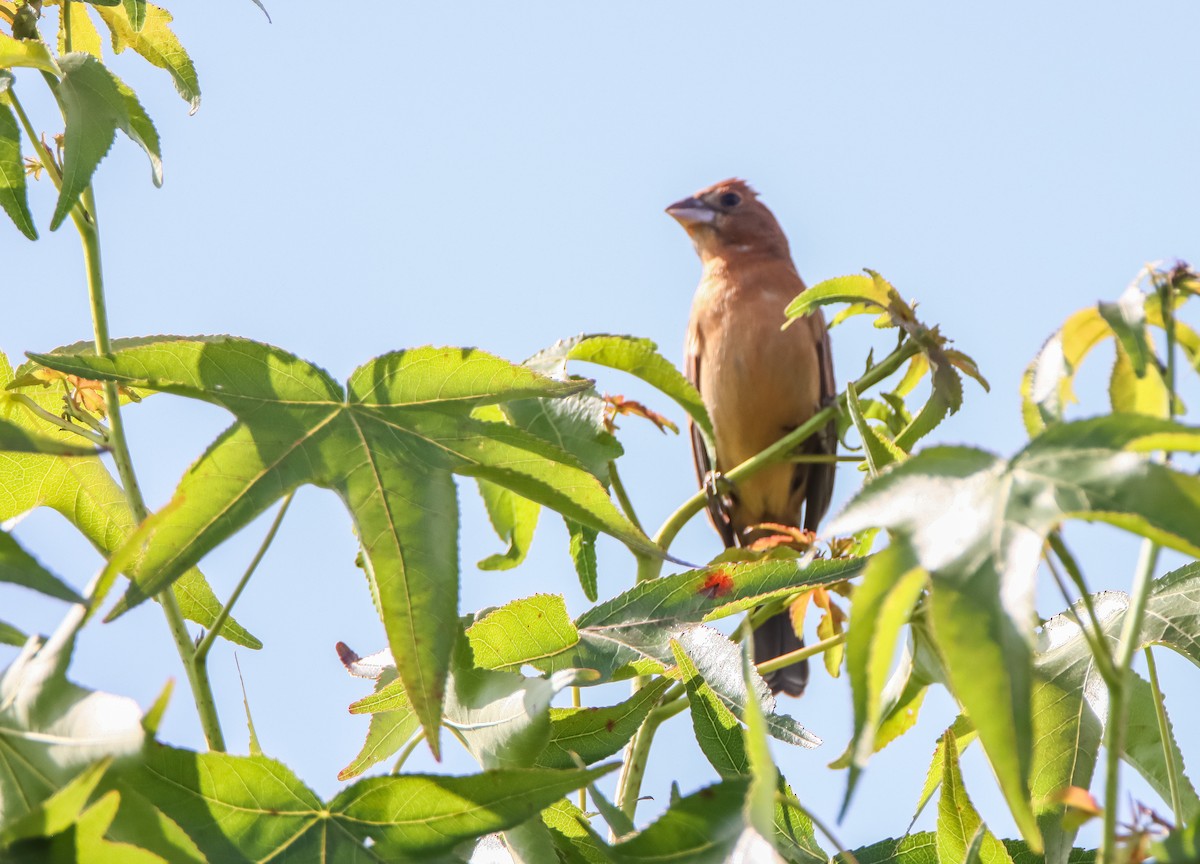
(593, 734)
(12, 168)
(632, 631)
(81, 489)
(522, 631)
(250, 807)
(51, 729)
(388, 445)
(959, 825)
(977, 523)
(155, 41)
(18, 567)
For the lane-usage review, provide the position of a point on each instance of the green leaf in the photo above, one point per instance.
(911, 849)
(61, 810)
(716, 660)
(921, 848)
(96, 103)
(388, 447)
(503, 718)
(12, 168)
(583, 555)
(1130, 393)
(593, 734)
(237, 807)
(85, 841)
(964, 734)
(702, 828)
(867, 294)
(1127, 320)
(388, 732)
(28, 53)
(51, 728)
(576, 423)
(93, 106)
(82, 490)
(958, 821)
(718, 731)
(572, 835)
(18, 567)
(522, 631)
(619, 823)
(881, 607)
(764, 777)
(999, 513)
(15, 438)
(1072, 707)
(640, 358)
(10, 635)
(155, 42)
(514, 519)
(632, 631)
(1048, 384)
(880, 451)
(135, 11)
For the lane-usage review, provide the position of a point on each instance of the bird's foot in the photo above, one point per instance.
(717, 487)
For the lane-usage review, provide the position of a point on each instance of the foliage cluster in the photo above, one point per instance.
(949, 602)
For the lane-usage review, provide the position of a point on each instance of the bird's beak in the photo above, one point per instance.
(691, 211)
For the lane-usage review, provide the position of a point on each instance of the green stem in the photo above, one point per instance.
(623, 496)
(1164, 731)
(89, 232)
(40, 412)
(408, 749)
(1094, 634)
(814, 459)
(47, 160)
(206, 644)
(633, 770)
(1118, 697)
(65, 11)
(801, 654)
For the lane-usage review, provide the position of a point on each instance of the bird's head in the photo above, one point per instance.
(728, 219)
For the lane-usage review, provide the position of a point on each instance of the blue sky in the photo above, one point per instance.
(494, 175)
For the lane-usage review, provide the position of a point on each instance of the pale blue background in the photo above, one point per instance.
(366, 178)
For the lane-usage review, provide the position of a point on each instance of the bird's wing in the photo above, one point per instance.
(820, 476)
(717, 512)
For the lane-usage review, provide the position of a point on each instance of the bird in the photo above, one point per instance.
(758, 383)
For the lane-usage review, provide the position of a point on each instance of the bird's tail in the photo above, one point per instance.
(775, 638)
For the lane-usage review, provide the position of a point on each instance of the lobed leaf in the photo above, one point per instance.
(522, 631)
(593, 734)
(388, 446)
(715, 658)
(18, 567)
(82, 490)
(882, 604)
(238, 807)
(640, 358)
(51, 728)
(1000, 512)
(154, 41)
(633, 630)
(13, 197)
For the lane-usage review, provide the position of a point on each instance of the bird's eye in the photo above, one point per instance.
(731, 199)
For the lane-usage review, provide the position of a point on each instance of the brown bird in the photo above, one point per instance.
(758, 382)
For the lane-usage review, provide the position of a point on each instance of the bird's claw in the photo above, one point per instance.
(717, 487)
